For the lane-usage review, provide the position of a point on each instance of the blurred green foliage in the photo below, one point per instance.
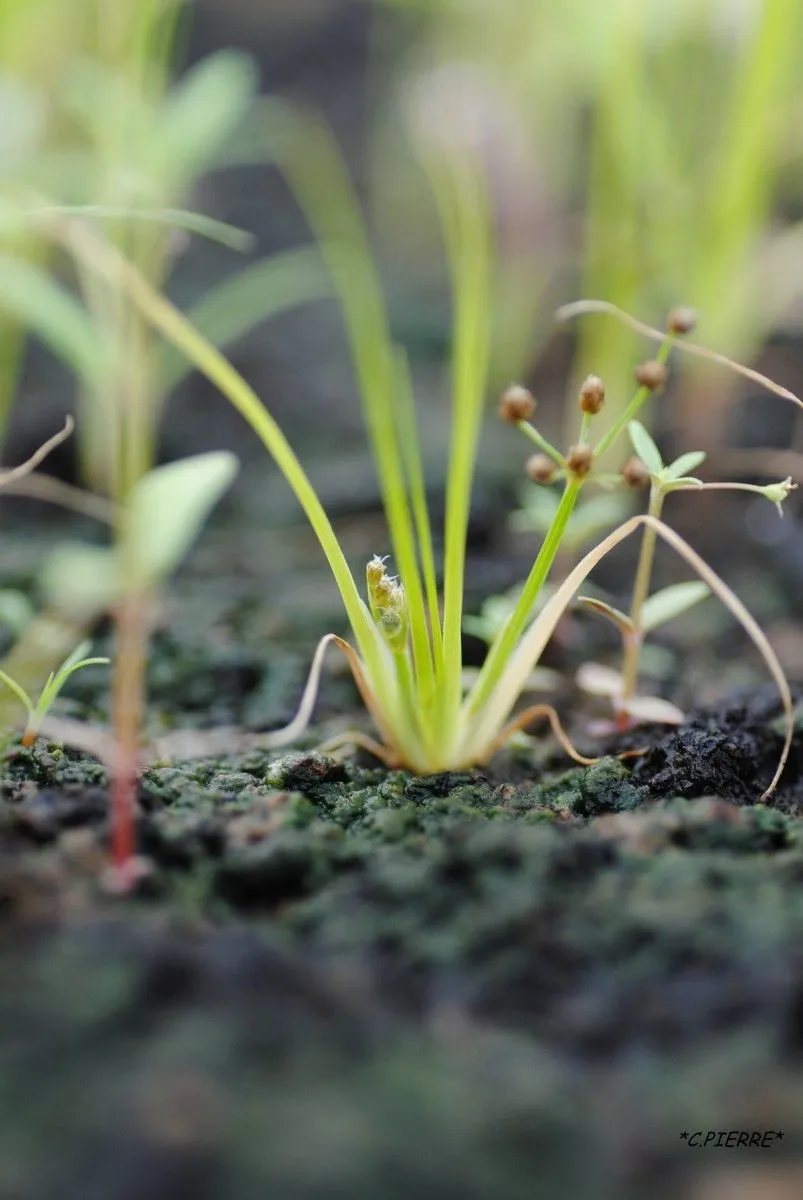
(97, 132)
(641, 152)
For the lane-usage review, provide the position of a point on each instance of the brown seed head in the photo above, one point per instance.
(635, 473)
(540, 468)
(579, 459)
(681, 320)
(651, 374)
(516, 404)
(592, 395)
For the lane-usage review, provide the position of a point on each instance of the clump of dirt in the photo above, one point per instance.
(338, 980)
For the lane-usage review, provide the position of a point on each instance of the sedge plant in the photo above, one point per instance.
(647, 611)
(650, 610)
(406, 657)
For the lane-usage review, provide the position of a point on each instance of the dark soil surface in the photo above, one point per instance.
(339, 981)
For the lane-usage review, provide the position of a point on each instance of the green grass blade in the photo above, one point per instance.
(177, 218)
(166, 318)
(411, 452)
(314, 169)
(743, 174)
(463, 206)
(505, 642)
(38, 302)
(18, 691)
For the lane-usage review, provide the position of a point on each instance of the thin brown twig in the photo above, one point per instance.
(30, 464)
(533, 713)
(582, 307)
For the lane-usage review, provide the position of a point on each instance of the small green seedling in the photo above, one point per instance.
(163, 514)
(649, 612)
(37, 710)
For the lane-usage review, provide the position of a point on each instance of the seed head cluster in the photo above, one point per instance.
(516, 403)
(592, 395)
(651, 375)
(681, 320)
(579, 459)
(540, 468)
(635, 473)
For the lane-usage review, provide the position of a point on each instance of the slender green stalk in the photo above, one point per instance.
(315, 170)
(743, 171)
(640, 398)
(541, 442)
(634, 637)
(506, 640)
(169, 321)
(410, 444)
(171, 218)
(465, 221)
(128, 706)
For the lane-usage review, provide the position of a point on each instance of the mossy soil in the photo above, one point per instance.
(339, 981)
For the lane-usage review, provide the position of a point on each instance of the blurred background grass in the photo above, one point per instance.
(642, 153)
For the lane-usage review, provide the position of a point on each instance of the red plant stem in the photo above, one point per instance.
(127, 710)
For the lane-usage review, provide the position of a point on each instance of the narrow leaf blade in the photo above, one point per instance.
(686, 464)
(44, 307)
(620, 620)
(203, 111)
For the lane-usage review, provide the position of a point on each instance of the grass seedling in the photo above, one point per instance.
(407, 656)
(37, 710)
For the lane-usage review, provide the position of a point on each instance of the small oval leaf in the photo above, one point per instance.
(202, 112)
(652, 708)
(52, 314)
(16, 610)
(166, 510)
(599, 680)
(685, 464)
(81, 580)
(670, 602)
(645, 448)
